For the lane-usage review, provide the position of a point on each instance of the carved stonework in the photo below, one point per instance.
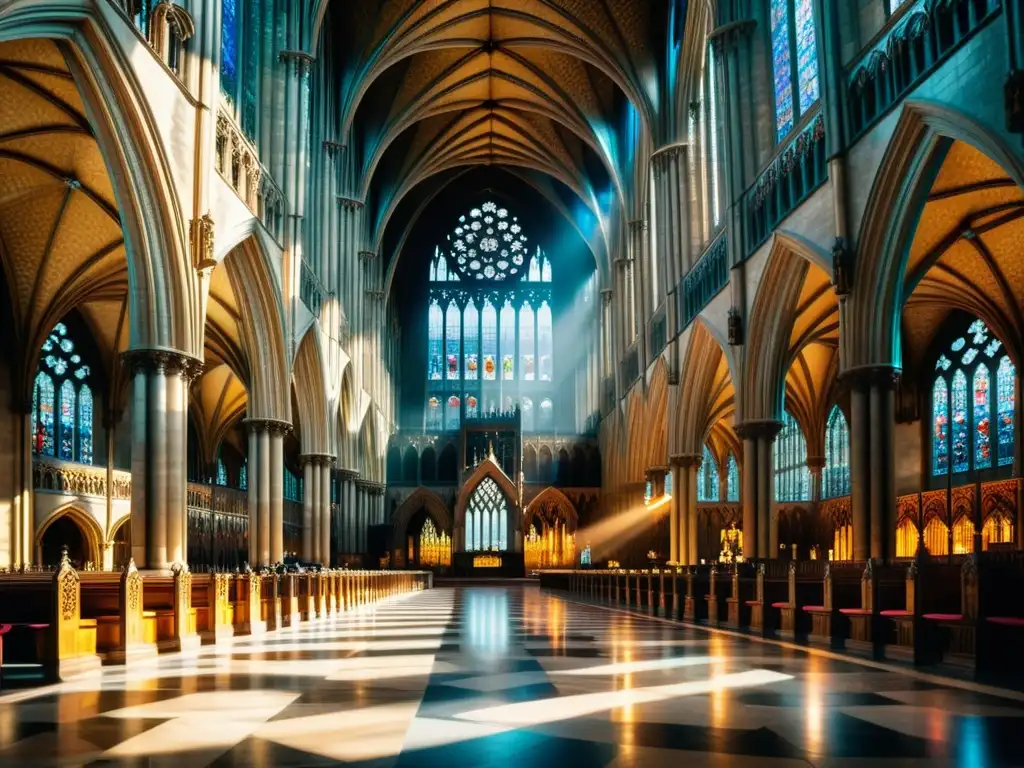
(349, 203)
(67, 581)
(841, 276)
(160, 362)
(735, 327)
(201, 236)
(273, 426)
(759, 430)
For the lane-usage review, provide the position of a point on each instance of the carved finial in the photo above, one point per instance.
(65, 561)
(490, 450)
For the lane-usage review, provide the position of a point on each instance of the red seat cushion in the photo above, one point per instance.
(815, 609)
(943, 617)
(5, 628)
(894, 613)
(780, 605)
(753, 602)
(854, 612)
(1006, 621)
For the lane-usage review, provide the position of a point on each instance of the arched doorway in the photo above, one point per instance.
(64, 532)
(427, 545)
(550, 525)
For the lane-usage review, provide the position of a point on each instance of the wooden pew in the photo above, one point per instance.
(167, 600)
(43, 611)
(1000, 616)
(698, 583)
(804, 580)
(742, 592)
(932, 589)
(248, 604)
(125, 632)
(719, 588)
(214, 610)
(289, 585)
(771, 584)
(842, 588)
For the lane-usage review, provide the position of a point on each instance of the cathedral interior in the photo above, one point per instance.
(594, 382)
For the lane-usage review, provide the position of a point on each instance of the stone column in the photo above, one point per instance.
(693, 533)
(276, 538)
(815, 464)
(325, 510)
(307, 510)
(872, 469)
(159, 413)
(253, 482)
(312, 494)
(675, 515)
(758, 480)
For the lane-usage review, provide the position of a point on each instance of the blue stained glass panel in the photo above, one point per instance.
(982, 420)
(453, 334)
(471, 322)
(435, 333)
(836, 479)
(85, 425)
(940, 427)
(67, 421)
(545, 349)
(806, 55)
(508, 342)
(243, 477)
(222, 473)
(707, 485)
(44, 428)
(490, 341)
(526, 345)
(1005, 394)
(251, 68)
(229, 48)
(958, 416)
(733, 480)
(782, 67)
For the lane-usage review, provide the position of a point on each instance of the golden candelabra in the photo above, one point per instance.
(553, 547)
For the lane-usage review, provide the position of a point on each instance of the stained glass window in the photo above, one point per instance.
(1005, 393)
(85, 424)
(982, 421)
(806, 55)
(251, 68)
(66, 441)
(44, 427)
(526, 345)
(243, 477)
(733, 480)
(547, 413)
(508, 341)
(229, 48)
(792, 477)
(471, 321)
(794, 61)
(544, 346)
(894, 5)
(222, 473)
(435, 341)
(490, 341)
(836, 475)
(496, 321)
(452, 334)
(487, 517)
(707, 477)
(958, 415)
(782, 67)
(940, 427)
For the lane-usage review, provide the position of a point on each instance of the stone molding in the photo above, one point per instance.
(162, 362)
(759, 430)
(275, 427)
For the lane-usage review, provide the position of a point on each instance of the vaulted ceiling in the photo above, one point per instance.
(561, 93)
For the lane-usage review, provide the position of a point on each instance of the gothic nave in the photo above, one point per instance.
(706, 334)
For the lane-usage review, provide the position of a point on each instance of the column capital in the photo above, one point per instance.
(350, 203)
(303, 61)
(367, 255)
(815, 463)
(731, 33)
(334, 147)
(316, 459)
(662, 155)
(347, 474)
(767, 429)
(638, 225)
(162, 361)
(274, 426)
(866, 376)
(685, 460)
(606, 295)
(370, 486)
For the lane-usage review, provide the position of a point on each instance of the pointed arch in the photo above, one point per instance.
(657, 416)
(91, 531)
(922, 138)
(710, 395)
(552, 495)
(311, 394)
(261, 327)
(486, 468)
(421, 498)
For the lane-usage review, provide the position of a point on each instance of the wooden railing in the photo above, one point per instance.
(50, 474)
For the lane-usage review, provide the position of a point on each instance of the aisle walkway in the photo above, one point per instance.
(506, 676)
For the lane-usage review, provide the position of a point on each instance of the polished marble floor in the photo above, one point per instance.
(506, 676)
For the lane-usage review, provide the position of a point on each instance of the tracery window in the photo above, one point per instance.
(794, 62)
(490, 325)
(707, 477)
(243, 477)
(732, 489)
(62, 401)
(487, 518)
(836, 476)
(973, 390)
(792, 477)
(710, 120)
(292, 486)
(222, 473)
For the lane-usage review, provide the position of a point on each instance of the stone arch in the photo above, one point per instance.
(311, 395)
(428, 465)
(92, 533)
(776, 307)
(545, 463)
(487, 468)
(421, 498)
(711, 393)
(530, 464)
(656, 428)
(261, 327)
(394, 466)
(410, 465)
(162, 284)
(448, 465)
(551, 495)
(924, 133)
